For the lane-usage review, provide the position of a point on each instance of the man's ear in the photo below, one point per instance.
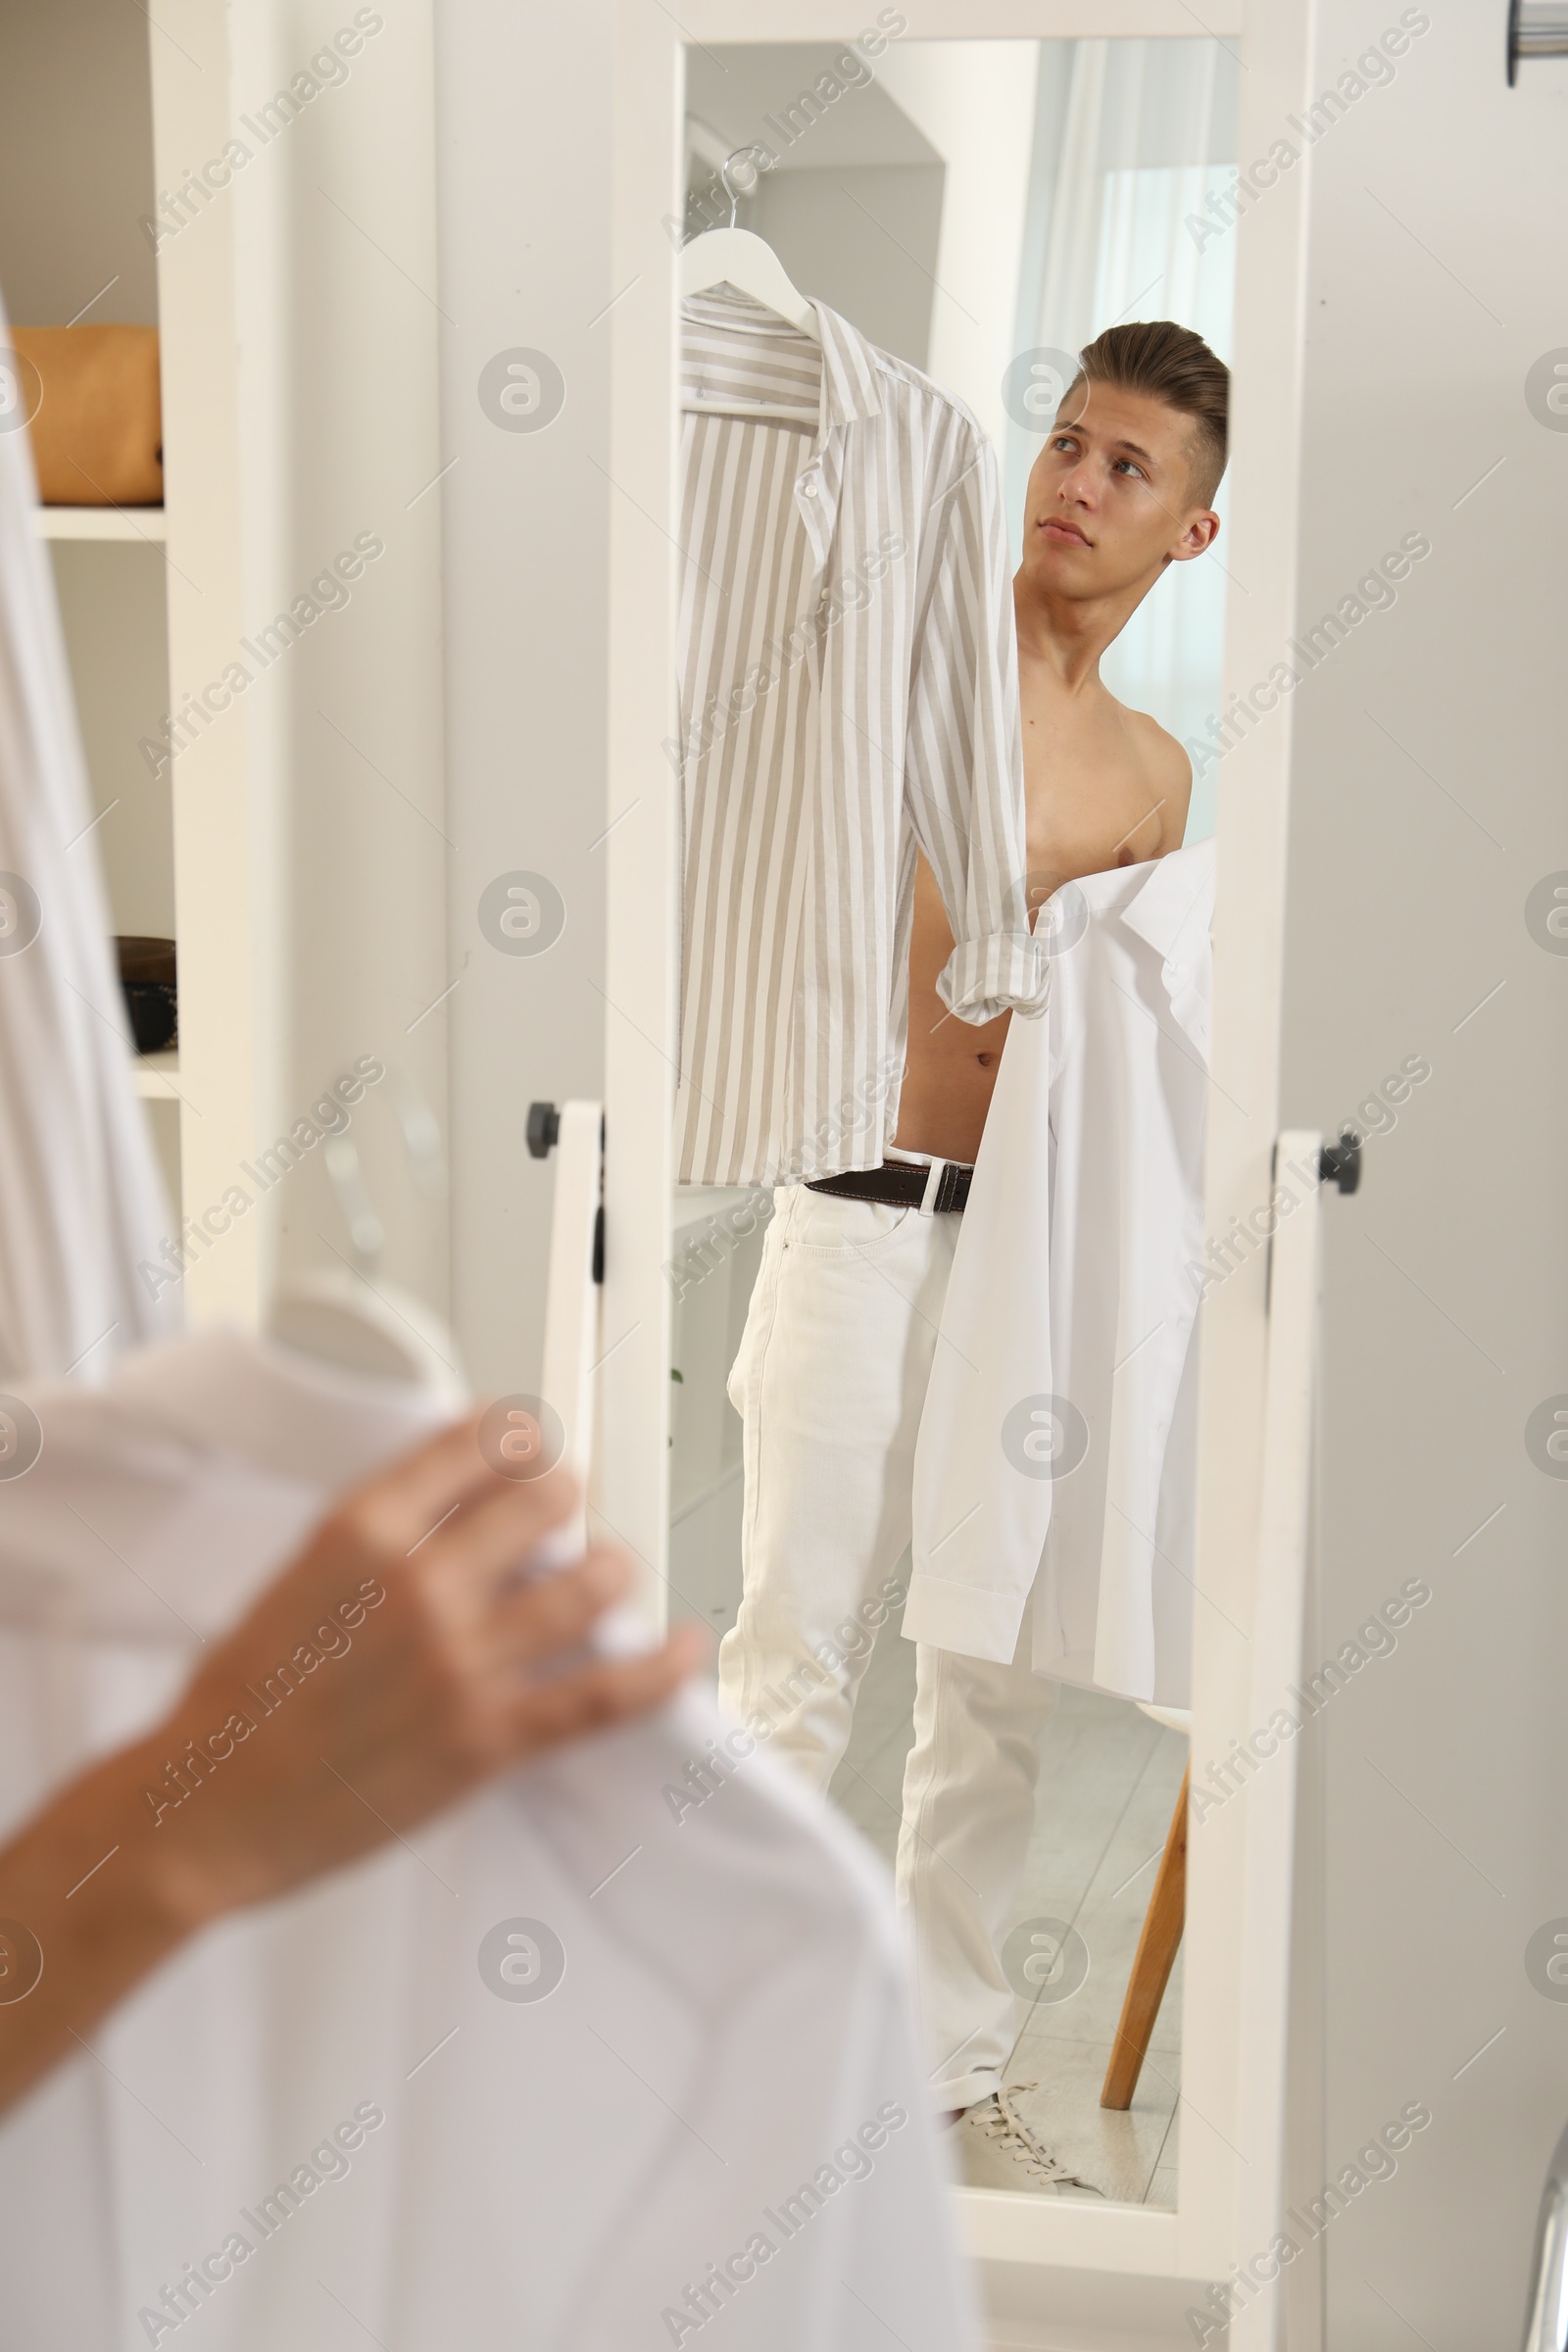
(1198, 536)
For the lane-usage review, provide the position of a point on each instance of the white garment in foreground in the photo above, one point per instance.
(81, 1197)
(1045, 1447)
(723, 2061)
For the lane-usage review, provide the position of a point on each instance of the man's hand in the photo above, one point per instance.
(403, 1660)
(436, 1667)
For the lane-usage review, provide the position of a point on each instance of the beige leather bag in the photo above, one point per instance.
(94, 414)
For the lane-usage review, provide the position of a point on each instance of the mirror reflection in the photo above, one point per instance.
(954, 327)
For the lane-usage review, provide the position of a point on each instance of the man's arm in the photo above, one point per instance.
(442, 1687)
(963, 754)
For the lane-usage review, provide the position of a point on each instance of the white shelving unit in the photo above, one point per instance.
(79, 175)
(100, 522)
(158, 1077)
(287, 845)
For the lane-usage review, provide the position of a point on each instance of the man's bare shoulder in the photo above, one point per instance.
(1166, 770)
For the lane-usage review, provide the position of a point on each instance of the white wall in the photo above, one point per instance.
(113, 614)
(1428, 803)
(864, 241)
(975, 102)
(854, 209)
(76, 164)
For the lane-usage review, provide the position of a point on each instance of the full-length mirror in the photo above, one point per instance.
(954, 325)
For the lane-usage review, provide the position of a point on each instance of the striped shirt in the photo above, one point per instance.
(847, 682)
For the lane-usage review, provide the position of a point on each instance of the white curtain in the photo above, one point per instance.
(80, 1197)
(1131, 138)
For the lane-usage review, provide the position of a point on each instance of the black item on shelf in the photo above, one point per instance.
(147, 978)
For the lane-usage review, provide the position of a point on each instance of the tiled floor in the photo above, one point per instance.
(1109, 1779)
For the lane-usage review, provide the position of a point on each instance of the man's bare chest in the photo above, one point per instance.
(1089, 802)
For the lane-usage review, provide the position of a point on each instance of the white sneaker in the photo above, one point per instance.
(999, 2149)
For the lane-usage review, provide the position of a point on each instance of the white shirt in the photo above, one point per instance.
(723, 2062)
(1070, 1315)
(848, 679)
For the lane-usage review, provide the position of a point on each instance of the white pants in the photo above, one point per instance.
(968, 1815)
(830, 1382)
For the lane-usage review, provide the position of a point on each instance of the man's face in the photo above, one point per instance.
(1110, 499)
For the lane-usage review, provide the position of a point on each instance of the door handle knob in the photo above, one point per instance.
(1340, 1163)
(544, 1129)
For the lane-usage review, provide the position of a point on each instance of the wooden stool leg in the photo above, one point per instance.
(1157, 1946)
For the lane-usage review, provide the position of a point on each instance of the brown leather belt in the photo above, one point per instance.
(898, 1184)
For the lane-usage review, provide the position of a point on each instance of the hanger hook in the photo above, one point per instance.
(723, 174)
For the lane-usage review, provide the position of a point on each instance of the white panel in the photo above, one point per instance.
(977, 21)
(338, 319)
(641, 945)
(1429, 806)
(222, 916)
(524, 204)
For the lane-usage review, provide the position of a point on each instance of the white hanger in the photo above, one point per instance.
(336, 1317)
(751, 266)
(736, 257)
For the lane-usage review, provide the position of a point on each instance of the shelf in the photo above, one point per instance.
(100, 522)
(156, 1075)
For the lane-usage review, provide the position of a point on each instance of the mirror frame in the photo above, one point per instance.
(1096, 2272)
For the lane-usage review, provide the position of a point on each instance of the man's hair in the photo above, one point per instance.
(1171, 364)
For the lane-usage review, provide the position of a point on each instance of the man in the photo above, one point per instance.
(1119, 492)
(850, 1296)
(1121, 489)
